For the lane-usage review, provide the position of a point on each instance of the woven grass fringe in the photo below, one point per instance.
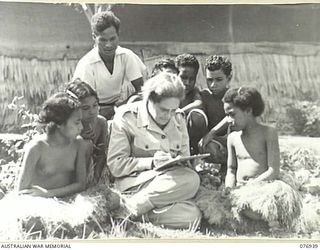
(73, 217)
(215, 206)
(275, 201)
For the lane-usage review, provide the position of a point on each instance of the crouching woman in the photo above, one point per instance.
(145, 134)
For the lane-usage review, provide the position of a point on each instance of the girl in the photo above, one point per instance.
(54, 162)
(94, 128)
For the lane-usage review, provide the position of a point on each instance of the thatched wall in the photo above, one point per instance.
(281, 71)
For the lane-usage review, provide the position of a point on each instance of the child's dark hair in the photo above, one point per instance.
(165, 63)
(244, 98)
(219, 62)
(81, 89)
(188, 60)
(56, 110)
(103, 20)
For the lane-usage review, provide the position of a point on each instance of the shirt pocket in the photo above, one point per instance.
(176, 146)
(145, 147)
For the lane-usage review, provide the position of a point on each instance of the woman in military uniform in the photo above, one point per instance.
(144, 135)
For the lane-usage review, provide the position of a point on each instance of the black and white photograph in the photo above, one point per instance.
(159, 121)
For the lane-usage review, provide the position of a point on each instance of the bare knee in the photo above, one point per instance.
(197, 120)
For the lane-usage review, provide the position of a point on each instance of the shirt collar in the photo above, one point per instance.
(95, 57)
(145, 120)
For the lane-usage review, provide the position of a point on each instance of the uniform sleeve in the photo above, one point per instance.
(185, 148)
(135, 68)
(120, 161)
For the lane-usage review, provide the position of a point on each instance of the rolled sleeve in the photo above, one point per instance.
(134, 67)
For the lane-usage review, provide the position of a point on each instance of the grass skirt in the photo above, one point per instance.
(77, 216)
(274, 201)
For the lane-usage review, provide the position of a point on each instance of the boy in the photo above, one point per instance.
(164, 65)
(188, 67)
(254, 161)
(218, 76)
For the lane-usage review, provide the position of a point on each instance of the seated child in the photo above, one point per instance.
(218, 76)
(94, 128)
(188, 67)
(164, 65)
(254, 162)
(54, 162)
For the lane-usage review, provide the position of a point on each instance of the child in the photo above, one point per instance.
(218, 76)
(254, 162)
(54, 162)
(188, 67)
(94, 127)
(164, 65)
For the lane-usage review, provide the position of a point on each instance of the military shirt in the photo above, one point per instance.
(135, 137)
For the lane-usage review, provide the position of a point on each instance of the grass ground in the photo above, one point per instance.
(119, 228)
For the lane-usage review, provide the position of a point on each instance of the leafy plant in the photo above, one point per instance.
(304, 117)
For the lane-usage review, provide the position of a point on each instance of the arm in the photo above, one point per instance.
(197, 103)
(80, 179)
(222, 125)
(137, 84)
(273, 157)
(30, 159)
(119, 159)
(230, 181)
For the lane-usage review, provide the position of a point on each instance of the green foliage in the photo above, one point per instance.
(304, 117)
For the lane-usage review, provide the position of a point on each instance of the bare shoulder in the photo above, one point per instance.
(101, 120)
(37, 143)
(269, 131)
(233, 136)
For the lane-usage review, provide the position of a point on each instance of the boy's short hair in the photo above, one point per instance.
(163, 85)
(103, 20)
(166, 63)
(188, 60)
(244, 98)
(215, 62)
(81, 89)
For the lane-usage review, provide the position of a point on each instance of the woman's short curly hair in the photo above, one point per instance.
(103, 20)
(56, 110)
(163, 85)
(244, 98)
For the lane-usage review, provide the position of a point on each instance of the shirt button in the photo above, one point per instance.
(163, 136)
(146, 146)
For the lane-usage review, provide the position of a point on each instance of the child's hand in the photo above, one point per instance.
(204, 141)
(35, 191)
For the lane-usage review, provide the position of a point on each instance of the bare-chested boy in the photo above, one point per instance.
(253, 148)
(254, 162)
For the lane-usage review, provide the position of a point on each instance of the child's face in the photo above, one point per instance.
(90, 109)
(237, 117)
(217, 81)
(73, 126)
(188, 76)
